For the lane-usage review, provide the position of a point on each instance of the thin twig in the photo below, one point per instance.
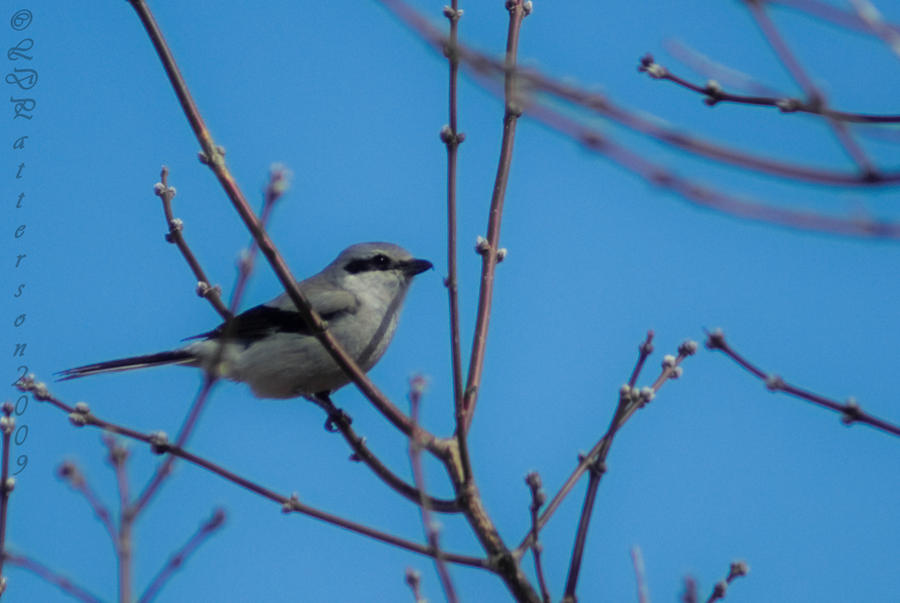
(533, 480)
(872, 17)
(832, 14)
(714, 94)
(118, 455)
(640, 575)
(205, 289)
(165, 468)
(813, 93)
(277, 185)
(414, 580)
(51, 576)
(7, 483)
(452, 138)
(417, 386)
(337, 419)
(644, 351)
(631, 399)
(81, 415)
(490, 249)
(850, 411)
(70, 472)
(177, 559)
(737, 569)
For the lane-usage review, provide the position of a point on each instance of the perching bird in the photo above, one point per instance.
(270, 347)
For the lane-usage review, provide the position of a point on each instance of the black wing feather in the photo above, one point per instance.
(261, 321)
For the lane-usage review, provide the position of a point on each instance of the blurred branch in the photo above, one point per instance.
(205, 288)
(414, 580)
(631, 399)
(850, 411)
(814, 94)
(7, 483)
(490, 248)
(51, 576)
(737, 569)
(277, 185)
(710, 198)
(708, 68)
(832, 14)
(71, 473)
(118, 455)
(178, 558)
(417, 386)
(640, 576)
(714, 94)
(872, 17)
(531, 81)
(80, 415)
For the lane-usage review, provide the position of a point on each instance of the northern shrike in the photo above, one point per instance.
(270, 347)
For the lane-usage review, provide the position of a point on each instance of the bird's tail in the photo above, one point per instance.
(127, 364)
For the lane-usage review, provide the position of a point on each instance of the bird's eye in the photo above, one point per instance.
(381, 260)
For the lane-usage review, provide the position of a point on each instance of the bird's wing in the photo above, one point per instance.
(280, 315)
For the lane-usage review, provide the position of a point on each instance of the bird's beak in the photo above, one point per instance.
(415, 266)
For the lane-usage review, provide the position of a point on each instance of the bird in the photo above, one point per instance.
(270, 347)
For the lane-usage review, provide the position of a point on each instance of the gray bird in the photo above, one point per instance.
(270, 347)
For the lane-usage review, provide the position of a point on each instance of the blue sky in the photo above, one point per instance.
(715, 469)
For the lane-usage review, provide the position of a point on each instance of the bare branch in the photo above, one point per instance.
(850, 410)
(80, 415)
(204, 288)
(872, 17)
(640, 576)
(714, 94)
(51, 576)
(737, 569)
(709, 198)
(813, 93)
(339, 420)
(70, 472)
(417, 386)
(118, 455)
(176, 561)
(538, 498)
(644, 351)
(832, 14)
(452, 138)
(7, 483)
(631, 399)
(414, 580)
(533, 81)
(490, 249)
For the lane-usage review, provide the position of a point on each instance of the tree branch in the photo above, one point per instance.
(80, 415)
(850, 410)
(205, 289)
(51, 576)
(631, 399)
(203, 533)
(490, 249)
(714, 94)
